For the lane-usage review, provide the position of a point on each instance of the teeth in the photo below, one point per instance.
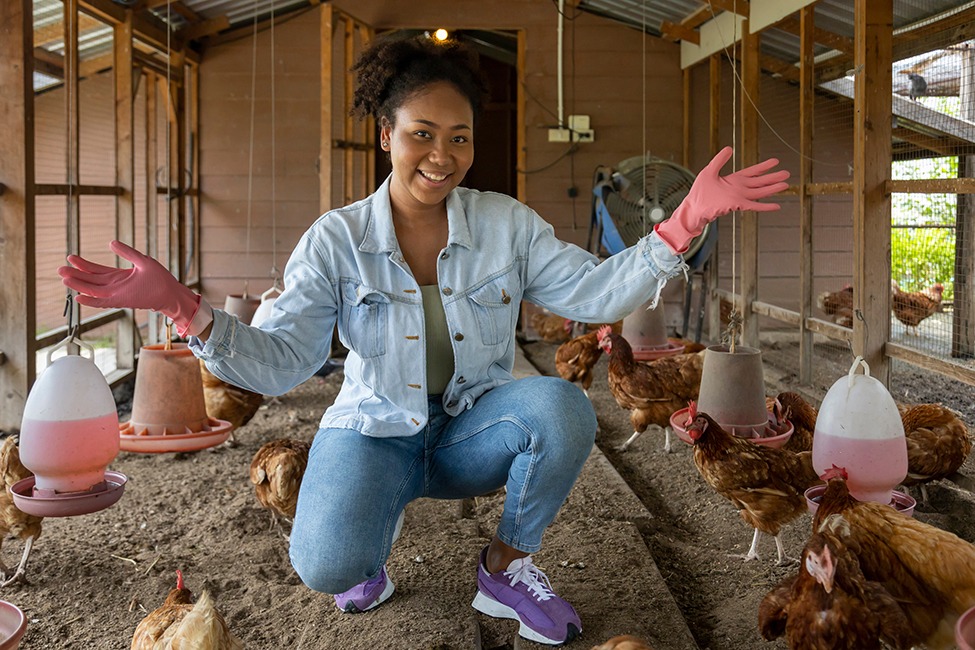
(434, 177)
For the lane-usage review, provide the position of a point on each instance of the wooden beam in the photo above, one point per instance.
(18, 318)
(678, 32)
(932, 186)
(204, 28)
(348, 157)
(145, 27)
(951, 30)
(54, 32)
(821, 36)
(871, 201)
(945, 367)
(64, 189)
(740, 7)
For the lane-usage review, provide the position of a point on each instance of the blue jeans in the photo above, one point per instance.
(532, 435)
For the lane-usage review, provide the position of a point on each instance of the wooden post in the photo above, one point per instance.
(963, 323)
(751, 74)
(124, 173)
(325, 137)
(873, 34)
(17, 290)
(807, 99)
(348, 153)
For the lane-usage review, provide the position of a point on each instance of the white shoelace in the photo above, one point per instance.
(536, 581)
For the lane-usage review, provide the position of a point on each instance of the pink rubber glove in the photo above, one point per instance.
(147, 285)
(712, 196)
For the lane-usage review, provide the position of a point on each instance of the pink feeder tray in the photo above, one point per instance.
(42, 503)
(140, 440)
(768, 436)
(13, 624)
(965, 630)
(654, 352)
(901, 502)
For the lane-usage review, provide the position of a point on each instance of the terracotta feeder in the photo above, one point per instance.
(646, 332)
(860, 430)
(242, 306)
(264, 309)
(13, 624)
(67, 439)
(733, 393)
(168, 408)
(965, 630)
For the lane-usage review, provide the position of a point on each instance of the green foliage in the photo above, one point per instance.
(921, 255)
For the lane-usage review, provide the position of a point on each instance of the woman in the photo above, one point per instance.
(424, 280)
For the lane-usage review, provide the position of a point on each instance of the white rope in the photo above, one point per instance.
(250, 161)
(643, 63)
(274, 203)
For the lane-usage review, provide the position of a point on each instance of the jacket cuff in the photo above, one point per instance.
(202, 317)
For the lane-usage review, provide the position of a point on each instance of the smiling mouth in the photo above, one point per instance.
(433, 177)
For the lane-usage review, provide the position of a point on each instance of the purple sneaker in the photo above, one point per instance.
(366, 595)
(523, 593)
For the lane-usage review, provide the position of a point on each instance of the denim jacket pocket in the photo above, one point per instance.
(493, 306)
(364, 312)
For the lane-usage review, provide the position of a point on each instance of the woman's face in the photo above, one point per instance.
(431, 146)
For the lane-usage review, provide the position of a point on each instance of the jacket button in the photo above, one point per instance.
(444, 255)
(447, 291)
(461, 380)
(506, 299)
(458, 336)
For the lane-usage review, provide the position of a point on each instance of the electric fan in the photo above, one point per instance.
(640, 193)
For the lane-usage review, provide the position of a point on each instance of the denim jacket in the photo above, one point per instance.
(347, 269)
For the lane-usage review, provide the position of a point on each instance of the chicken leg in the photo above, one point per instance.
(21, 572)
(752, 553)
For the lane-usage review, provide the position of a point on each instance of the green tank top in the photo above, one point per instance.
(440, 355)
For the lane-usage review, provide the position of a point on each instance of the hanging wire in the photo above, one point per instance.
(274, 203)
(643, 98)
(250, 155)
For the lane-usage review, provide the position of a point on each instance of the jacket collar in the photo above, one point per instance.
(380, 234)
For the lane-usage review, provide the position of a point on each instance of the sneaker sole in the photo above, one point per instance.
(350, 608)
(491, 607)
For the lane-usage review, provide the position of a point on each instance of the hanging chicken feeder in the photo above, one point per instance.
(965, 630)
(68, 437)
(13, 624)
(733, 393)
(168, 408)
(242, 306)
(860, 430)
(264, 309)
(646, 332)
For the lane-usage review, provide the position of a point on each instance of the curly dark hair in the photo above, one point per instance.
(393, 69)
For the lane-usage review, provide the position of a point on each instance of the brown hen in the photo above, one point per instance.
(652, 391)
(551, 328)
(937, 443)
(276, 472)
(838, 305)
(228, 402)
(791, 406)
(830, 604)
(913, 307)
(178, 623)
(765, 484)
(930, 571)
(624, 642)
(574, 359)
(12, 520)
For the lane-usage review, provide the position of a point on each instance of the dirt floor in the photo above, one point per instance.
(93, 578)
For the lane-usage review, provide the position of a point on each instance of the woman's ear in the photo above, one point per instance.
(385, 134)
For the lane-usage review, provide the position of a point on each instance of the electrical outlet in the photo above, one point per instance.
(558, 135)
(579, 122)
(586, 135)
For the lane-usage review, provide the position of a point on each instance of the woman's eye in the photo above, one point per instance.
(460, 139)
(422, 134)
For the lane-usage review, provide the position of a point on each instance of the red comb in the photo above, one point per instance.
(603, 331)
(835, 472)
(179, 579)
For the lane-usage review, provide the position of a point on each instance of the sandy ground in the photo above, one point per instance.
(93, 578)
